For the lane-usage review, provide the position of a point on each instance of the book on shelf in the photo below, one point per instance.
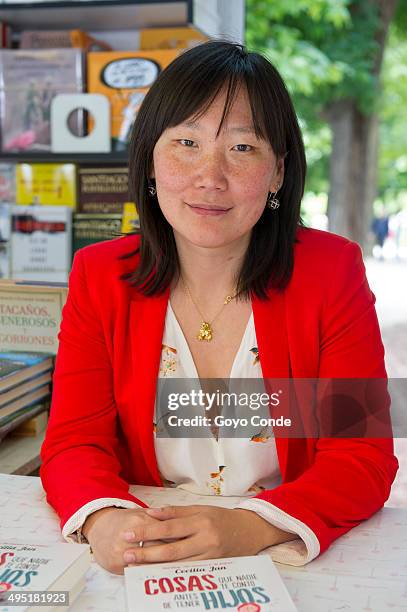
(41, 568)
(41, 242)
(91, 228)
(46, 184)
(17, 368)
(60, 39)
(130, 220)
(5, 232)
(30, 317)
(9, 423)
(22, 388)
(244, 584)
(23, 402)
(170, 38)
(30, 79)
(7, 182)
(124, 77)
(6, 35)
(102, 189)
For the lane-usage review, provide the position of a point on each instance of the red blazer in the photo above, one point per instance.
(100, 435)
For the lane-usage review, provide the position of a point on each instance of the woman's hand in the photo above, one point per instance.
(201, 532)
(105, 531)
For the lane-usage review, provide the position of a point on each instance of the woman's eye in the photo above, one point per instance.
(186, 142)
(243, 148)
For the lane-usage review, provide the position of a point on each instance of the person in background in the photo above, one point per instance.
(222, 282)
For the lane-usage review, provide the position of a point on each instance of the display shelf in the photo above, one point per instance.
(20, 455)
(96, 14)
(115, 157)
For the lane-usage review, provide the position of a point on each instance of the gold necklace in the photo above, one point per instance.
(206, 331)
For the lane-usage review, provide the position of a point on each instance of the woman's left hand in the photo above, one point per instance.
(201, 532)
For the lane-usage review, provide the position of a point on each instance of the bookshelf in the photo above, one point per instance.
(20, 455)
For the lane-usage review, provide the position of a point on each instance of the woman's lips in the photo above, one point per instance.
(210, 211)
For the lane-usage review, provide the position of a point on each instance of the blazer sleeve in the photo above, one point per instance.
(350, 478)
(80, 448)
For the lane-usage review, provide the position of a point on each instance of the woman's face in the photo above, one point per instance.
(213, 189)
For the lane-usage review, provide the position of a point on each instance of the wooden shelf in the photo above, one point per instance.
(20, 455)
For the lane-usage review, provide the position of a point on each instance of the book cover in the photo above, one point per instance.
(244, 584)
(91, 228)
(102, 189)
(125, 77)
(7, 182)
(30, 316)
(130, 221)
(46, 184)
(170, 38)
(41, 242)
(5, 231)
(32, 567)
(30, 79)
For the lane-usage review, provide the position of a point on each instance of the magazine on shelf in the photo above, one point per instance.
(42, 569)
(244, 584)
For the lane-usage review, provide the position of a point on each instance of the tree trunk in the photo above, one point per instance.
(353, 162)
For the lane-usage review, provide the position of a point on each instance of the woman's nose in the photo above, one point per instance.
(210, 173)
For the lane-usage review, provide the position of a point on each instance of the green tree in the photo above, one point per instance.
(330, 52)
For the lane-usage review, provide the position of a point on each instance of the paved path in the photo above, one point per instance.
(388, 281)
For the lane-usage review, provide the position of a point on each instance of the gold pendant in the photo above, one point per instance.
(205, 332)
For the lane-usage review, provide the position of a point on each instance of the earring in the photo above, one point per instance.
(272, 202)
(152, 190)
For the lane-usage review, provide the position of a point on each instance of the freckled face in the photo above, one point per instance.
(212, 190)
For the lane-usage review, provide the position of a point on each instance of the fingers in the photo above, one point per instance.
(161, 530)
(169, 512)
(173, 551)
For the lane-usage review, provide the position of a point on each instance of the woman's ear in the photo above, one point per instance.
(278, 178)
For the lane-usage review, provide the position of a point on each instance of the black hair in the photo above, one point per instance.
(185, 89)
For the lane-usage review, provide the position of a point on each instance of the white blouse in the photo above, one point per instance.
(210, 466)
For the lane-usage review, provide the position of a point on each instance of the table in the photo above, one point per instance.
(363, 571)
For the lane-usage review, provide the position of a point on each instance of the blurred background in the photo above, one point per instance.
(345, 63)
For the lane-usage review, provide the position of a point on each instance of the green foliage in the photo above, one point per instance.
(326, 50)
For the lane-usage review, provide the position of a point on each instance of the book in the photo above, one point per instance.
(29, 399)
(130, 220)
(170, 38)
(46, 184)
(30, 79)
(6, 35)
(102, 189)
(18, 367)
(34, 567)
(10, 423)
(41, 243)
(5, 231)
(7, 182)
(245, 584)
(59, 39)
(24, 387)
(30, 317)
(91, 228)
(124, 77)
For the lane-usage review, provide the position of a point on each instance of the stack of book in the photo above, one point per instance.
(25, 387)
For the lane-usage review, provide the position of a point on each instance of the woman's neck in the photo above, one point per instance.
(210, 273)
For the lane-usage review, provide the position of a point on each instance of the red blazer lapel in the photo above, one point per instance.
(147, 318)
(271, 333)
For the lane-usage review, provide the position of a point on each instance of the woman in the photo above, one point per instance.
(225, 282)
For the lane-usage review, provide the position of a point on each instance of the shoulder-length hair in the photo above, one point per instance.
(184, 90)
